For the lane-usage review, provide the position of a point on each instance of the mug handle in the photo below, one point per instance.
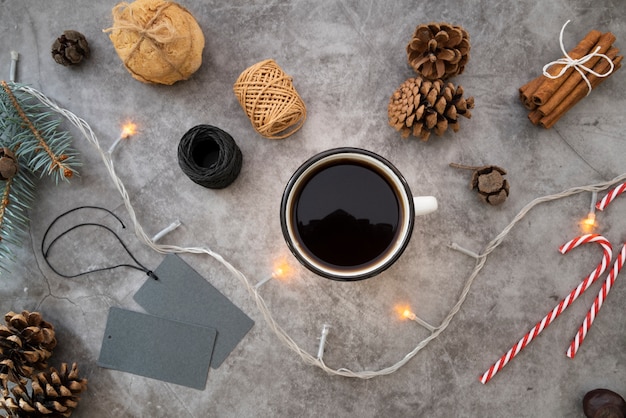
(424, 204)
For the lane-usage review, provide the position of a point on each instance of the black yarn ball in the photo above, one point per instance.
(209, 156)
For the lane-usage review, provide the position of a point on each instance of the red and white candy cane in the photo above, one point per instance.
(550, 317)
(612, 194)
(597, 304)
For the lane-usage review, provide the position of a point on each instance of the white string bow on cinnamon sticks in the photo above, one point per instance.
(577, 64)
(553, 93)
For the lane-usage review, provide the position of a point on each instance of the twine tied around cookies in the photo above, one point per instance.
(267, 95)
(161, 33)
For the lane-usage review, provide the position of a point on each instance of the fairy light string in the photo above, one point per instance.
(310, 359)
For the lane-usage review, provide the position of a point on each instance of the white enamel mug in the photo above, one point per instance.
(347, 214)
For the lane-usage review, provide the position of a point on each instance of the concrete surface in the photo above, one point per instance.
(346, 58)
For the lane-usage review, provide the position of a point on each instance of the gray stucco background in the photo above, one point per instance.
(346, 59)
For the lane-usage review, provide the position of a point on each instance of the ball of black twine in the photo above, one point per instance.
(209, 156)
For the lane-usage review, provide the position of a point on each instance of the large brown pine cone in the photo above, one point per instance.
(52, 394)
(422, 106)
(26, 343)
(438, 50)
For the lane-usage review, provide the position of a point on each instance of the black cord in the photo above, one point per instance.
(45, 251)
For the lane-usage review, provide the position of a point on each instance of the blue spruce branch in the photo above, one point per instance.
(29, 130)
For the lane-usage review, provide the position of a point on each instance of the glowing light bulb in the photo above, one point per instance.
(128, 129)
(406, 313)
(409, 315)
(403, 311)
(589, 223)
(281, 272)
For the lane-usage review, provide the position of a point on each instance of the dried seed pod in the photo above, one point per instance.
(438, 50)
(70, 48)
(489, 182)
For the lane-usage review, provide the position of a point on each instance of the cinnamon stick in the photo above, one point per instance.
(580, 92)
(535, 117)
(527, 90)
(574, 78)
(549, 85)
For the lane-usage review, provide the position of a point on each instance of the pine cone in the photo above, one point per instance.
(438, 50)
(421, 107)
(53, 394)
(8, 164)
(26, 343)
(70, 48)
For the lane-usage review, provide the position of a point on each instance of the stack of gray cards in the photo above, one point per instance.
(189, 326)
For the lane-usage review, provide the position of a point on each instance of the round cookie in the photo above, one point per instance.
(158, 41)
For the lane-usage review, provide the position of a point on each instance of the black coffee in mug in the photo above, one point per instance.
(347, 214)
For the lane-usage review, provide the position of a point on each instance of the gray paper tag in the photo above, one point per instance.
(158, 348)
(180, 293)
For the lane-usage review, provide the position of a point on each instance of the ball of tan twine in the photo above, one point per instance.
(269, 99)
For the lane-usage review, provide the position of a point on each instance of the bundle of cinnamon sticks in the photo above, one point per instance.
(548, 99)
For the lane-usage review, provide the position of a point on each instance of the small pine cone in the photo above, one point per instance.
(438, 50)
(420, 107)
(26, 343)
(70, 48)
(53, 394)
(489, 182)
(8, 164)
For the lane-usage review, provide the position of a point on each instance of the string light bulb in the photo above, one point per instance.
(409, 315)
(588, 224)
(166, 230)
(320, 349)
(281, 272)
(278, 273)
(406, 313)
(402, 311)
(128, 129)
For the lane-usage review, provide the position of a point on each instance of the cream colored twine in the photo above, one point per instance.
(282, 335)
(577, 64)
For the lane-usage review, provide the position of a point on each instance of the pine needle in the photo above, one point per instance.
(31, 131)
